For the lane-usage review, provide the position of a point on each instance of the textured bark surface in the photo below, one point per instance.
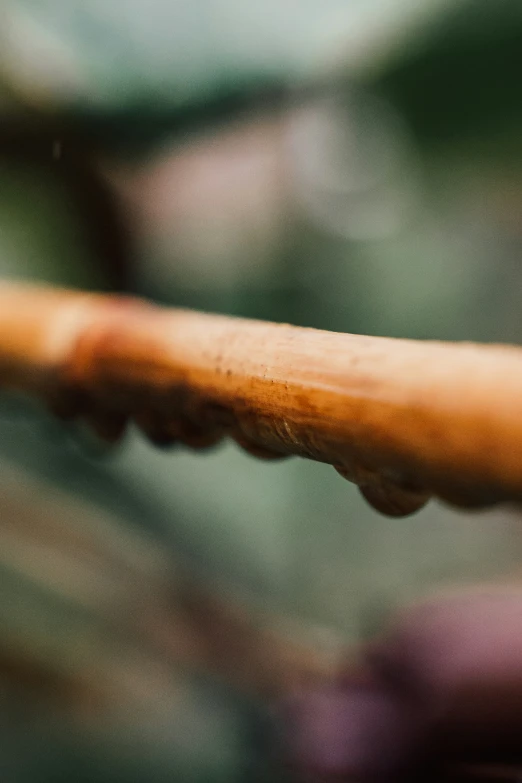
(403, 419)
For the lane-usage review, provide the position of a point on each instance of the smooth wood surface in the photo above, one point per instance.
(403, 419)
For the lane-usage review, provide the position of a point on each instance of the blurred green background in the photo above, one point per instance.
(353, 165)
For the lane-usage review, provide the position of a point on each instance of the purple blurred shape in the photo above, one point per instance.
(363, 731)
(461, 656)
(443, 686)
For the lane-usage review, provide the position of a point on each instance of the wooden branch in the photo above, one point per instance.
(403, 419)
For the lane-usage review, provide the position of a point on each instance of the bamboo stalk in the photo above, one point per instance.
(403, 419)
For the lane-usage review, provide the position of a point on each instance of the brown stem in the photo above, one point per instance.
(403, 419)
